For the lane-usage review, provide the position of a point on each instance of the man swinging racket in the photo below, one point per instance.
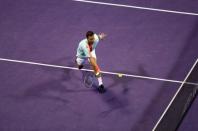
(86, 51)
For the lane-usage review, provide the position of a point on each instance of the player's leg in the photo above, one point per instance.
(93, 62)
(80, 62)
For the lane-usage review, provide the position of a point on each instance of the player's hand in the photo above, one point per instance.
(102, 36)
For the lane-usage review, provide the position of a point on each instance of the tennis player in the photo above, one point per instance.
(86, 51)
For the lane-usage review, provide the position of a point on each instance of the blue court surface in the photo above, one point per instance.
(41, 89)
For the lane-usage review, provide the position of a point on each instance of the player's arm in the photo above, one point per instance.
(92, 60)
(101, 36)
(94, 64)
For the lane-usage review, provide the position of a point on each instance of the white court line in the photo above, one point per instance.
(104, 72)
(138, 7)
(175, 95)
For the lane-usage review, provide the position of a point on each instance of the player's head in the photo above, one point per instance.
(90, 37)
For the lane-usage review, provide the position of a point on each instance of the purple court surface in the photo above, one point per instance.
(139, 42)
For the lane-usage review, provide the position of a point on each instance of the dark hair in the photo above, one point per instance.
(89, 33)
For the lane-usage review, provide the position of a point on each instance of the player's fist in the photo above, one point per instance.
(102, 36)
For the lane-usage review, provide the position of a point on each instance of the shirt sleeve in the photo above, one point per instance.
(96, 40)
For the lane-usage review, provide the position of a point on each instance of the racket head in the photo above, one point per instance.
(88, 79)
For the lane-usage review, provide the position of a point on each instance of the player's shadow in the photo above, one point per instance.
(59, 82)
(117, 101)
(51, 90)
(120, 101)
(66, 75)
(114, 101)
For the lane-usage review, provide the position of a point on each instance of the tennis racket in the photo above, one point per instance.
(88, 79)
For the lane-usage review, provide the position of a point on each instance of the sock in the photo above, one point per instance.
(100, 80)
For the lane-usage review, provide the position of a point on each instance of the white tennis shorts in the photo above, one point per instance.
(81, 61)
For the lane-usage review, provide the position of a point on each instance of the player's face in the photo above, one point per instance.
(91, 39)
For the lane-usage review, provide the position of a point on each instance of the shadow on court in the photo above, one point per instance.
(64, 81)
(117, 101)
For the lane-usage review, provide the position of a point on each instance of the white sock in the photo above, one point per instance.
(100, 80)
